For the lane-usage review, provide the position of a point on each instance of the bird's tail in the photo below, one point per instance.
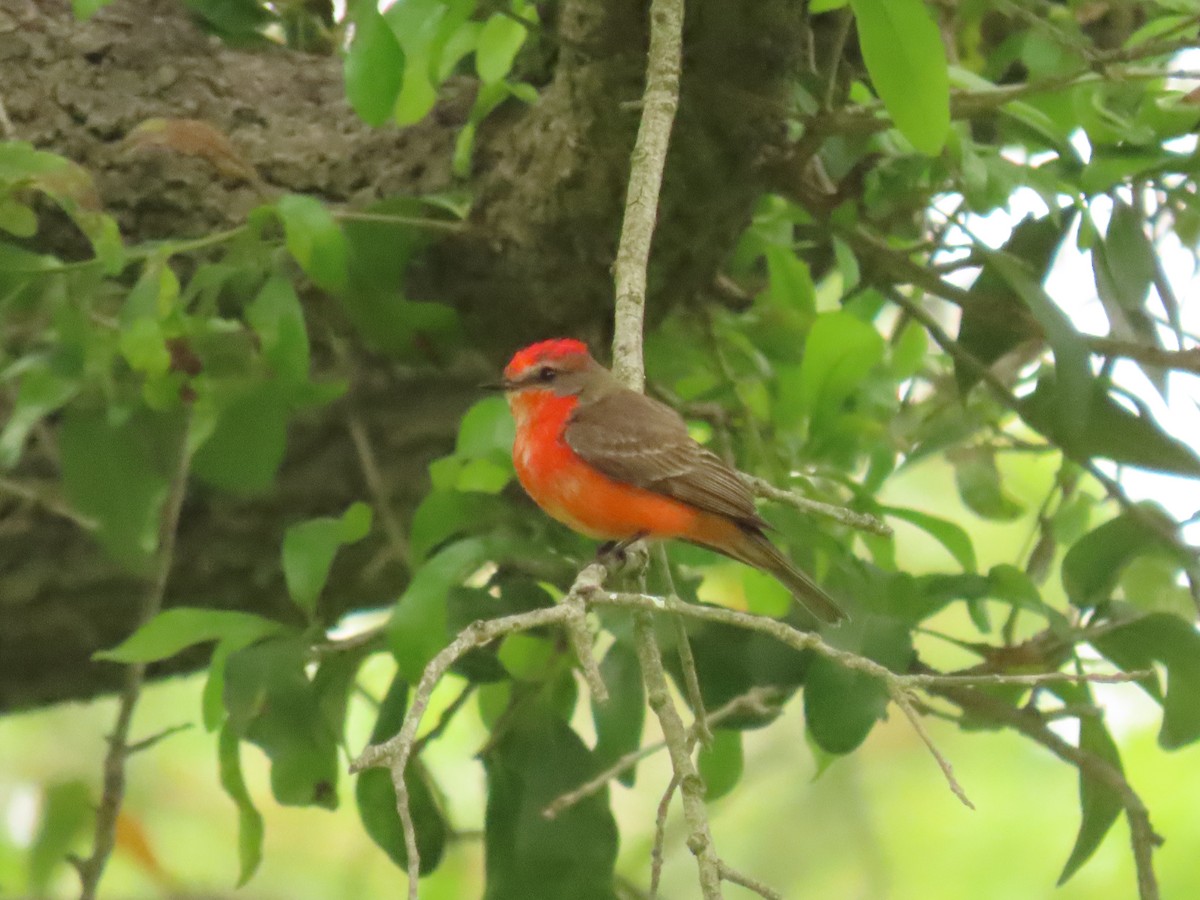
(755, 549)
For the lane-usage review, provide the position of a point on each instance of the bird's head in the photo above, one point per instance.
(552, 370)
(557, 365)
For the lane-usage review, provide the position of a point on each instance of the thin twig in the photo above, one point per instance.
(92, 869)
(687, 661)
(46, 502)
(755, 700)
(906, 706)
(873, 117)
(578, 633)
(1029, 723)
(853, 518)
(154, 739)
(1187, 360)
(446, 717)
(733, 876)
(372, 475)
(845, 20)
(660, 835)
(448, 225)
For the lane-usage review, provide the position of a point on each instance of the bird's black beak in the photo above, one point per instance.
(502, 385)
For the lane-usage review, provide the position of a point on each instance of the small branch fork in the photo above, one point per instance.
(588, 594)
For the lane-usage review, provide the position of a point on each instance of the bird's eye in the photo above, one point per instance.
(545, 373)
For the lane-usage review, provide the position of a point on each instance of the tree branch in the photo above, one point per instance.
(691, 785)
(119, 748)
(861, 521)
(1187, 360)
(648, 162)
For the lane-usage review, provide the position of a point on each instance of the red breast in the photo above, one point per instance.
(576, 494)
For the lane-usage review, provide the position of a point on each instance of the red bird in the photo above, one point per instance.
(614, 464)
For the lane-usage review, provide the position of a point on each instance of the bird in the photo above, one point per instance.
(616, 465)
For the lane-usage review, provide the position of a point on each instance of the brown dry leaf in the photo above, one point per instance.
(134, 843)
(193, 137)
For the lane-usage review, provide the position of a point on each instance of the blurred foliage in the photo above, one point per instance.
(828, 369)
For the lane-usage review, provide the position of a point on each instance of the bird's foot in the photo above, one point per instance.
(616, 554)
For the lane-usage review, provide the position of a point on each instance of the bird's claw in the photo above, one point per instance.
(616, 554)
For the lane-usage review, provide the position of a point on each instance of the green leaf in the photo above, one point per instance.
(489, 97)
(446, 513)
(949, 534)
(272, 704)
(379, 254)
(1169, 640)
(415, 24)
(909, 351)
(1099, 803)
(1074, 393)
(309, 548)
(486, 427)
(720, 763)
(315, 241)
(903, 51)
(418, 626)
(764, 594)
(250, 820)
(841, 705)
(1093, 565)
(42, 390)
(174, 630)
(212, 700)
(978, 482)
(376, 797)
(85, 9)
(278, 319)
(374, 66)
(839, 353)
(527, 658)
(789, 281)
(1111, 431)
(996, 321)
(153, 296)
(236, 21)
(144, 347)
(823, 6)
(497, 47)
(1151, 582)
(1130, 256)
(731, 661)
(246, 446)
(67, 810)
(487, 476)
(114, 475)
(17, 219)
(529, 856)
(619, 722)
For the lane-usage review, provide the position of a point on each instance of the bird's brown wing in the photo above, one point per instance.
(638, 440)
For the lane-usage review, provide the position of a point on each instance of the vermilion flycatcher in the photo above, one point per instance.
(617, 465)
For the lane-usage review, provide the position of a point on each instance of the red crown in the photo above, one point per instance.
(557, 348)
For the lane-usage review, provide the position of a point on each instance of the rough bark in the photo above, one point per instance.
(548, 190)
